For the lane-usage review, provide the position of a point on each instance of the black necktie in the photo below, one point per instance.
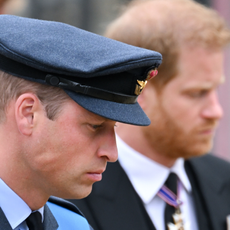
(170, 183)
(34, 221)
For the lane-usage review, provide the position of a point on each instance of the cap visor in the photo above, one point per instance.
(125, 113)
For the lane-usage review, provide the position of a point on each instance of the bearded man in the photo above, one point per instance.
(184, 110)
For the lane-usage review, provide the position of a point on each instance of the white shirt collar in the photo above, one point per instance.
(146, 175)
(14, 208)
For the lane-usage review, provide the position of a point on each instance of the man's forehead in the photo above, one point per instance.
(191, 50)
(200, 64)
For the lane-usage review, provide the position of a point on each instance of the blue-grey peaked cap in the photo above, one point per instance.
(98, 73)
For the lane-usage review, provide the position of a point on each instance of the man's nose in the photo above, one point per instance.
(108, 148)
(213, 109)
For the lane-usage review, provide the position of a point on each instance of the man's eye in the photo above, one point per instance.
(198, 94)
(96, 126)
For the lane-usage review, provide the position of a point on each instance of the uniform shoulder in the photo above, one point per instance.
(65, 204)
(67, 215)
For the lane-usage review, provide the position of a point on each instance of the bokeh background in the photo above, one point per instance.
(95, 15)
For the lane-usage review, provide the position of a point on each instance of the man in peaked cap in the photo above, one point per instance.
(62, 91)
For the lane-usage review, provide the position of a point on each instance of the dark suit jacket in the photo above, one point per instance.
(114, 205)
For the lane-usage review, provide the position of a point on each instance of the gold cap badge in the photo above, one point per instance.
(141, 84)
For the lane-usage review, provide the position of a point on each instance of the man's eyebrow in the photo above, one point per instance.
(198, 86)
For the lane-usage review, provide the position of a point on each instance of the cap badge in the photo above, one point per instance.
(140, 86)
(152, 73)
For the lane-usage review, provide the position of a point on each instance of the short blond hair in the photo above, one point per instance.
(165, 26)
(12, 87)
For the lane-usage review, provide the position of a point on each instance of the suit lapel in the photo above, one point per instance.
(124, 203)
(50, 222)
(4, 222)
(211, 191)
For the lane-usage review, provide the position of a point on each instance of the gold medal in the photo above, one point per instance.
(178, 221)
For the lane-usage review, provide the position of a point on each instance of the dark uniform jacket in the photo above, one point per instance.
(114, 204)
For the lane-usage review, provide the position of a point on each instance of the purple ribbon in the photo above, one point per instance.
(169, 197)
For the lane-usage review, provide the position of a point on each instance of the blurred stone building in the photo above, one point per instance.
(91, 15)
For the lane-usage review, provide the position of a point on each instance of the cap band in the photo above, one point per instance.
(29, 73)
(89, 90)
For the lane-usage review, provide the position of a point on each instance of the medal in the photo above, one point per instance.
(178, 221)
(170, 198)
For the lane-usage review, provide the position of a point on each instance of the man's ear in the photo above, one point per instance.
(27, 107)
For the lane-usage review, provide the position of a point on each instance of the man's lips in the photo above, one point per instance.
(97, 171)
(96, 175)
(207, 130)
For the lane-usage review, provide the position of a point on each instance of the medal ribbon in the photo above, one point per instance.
(169, 197)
